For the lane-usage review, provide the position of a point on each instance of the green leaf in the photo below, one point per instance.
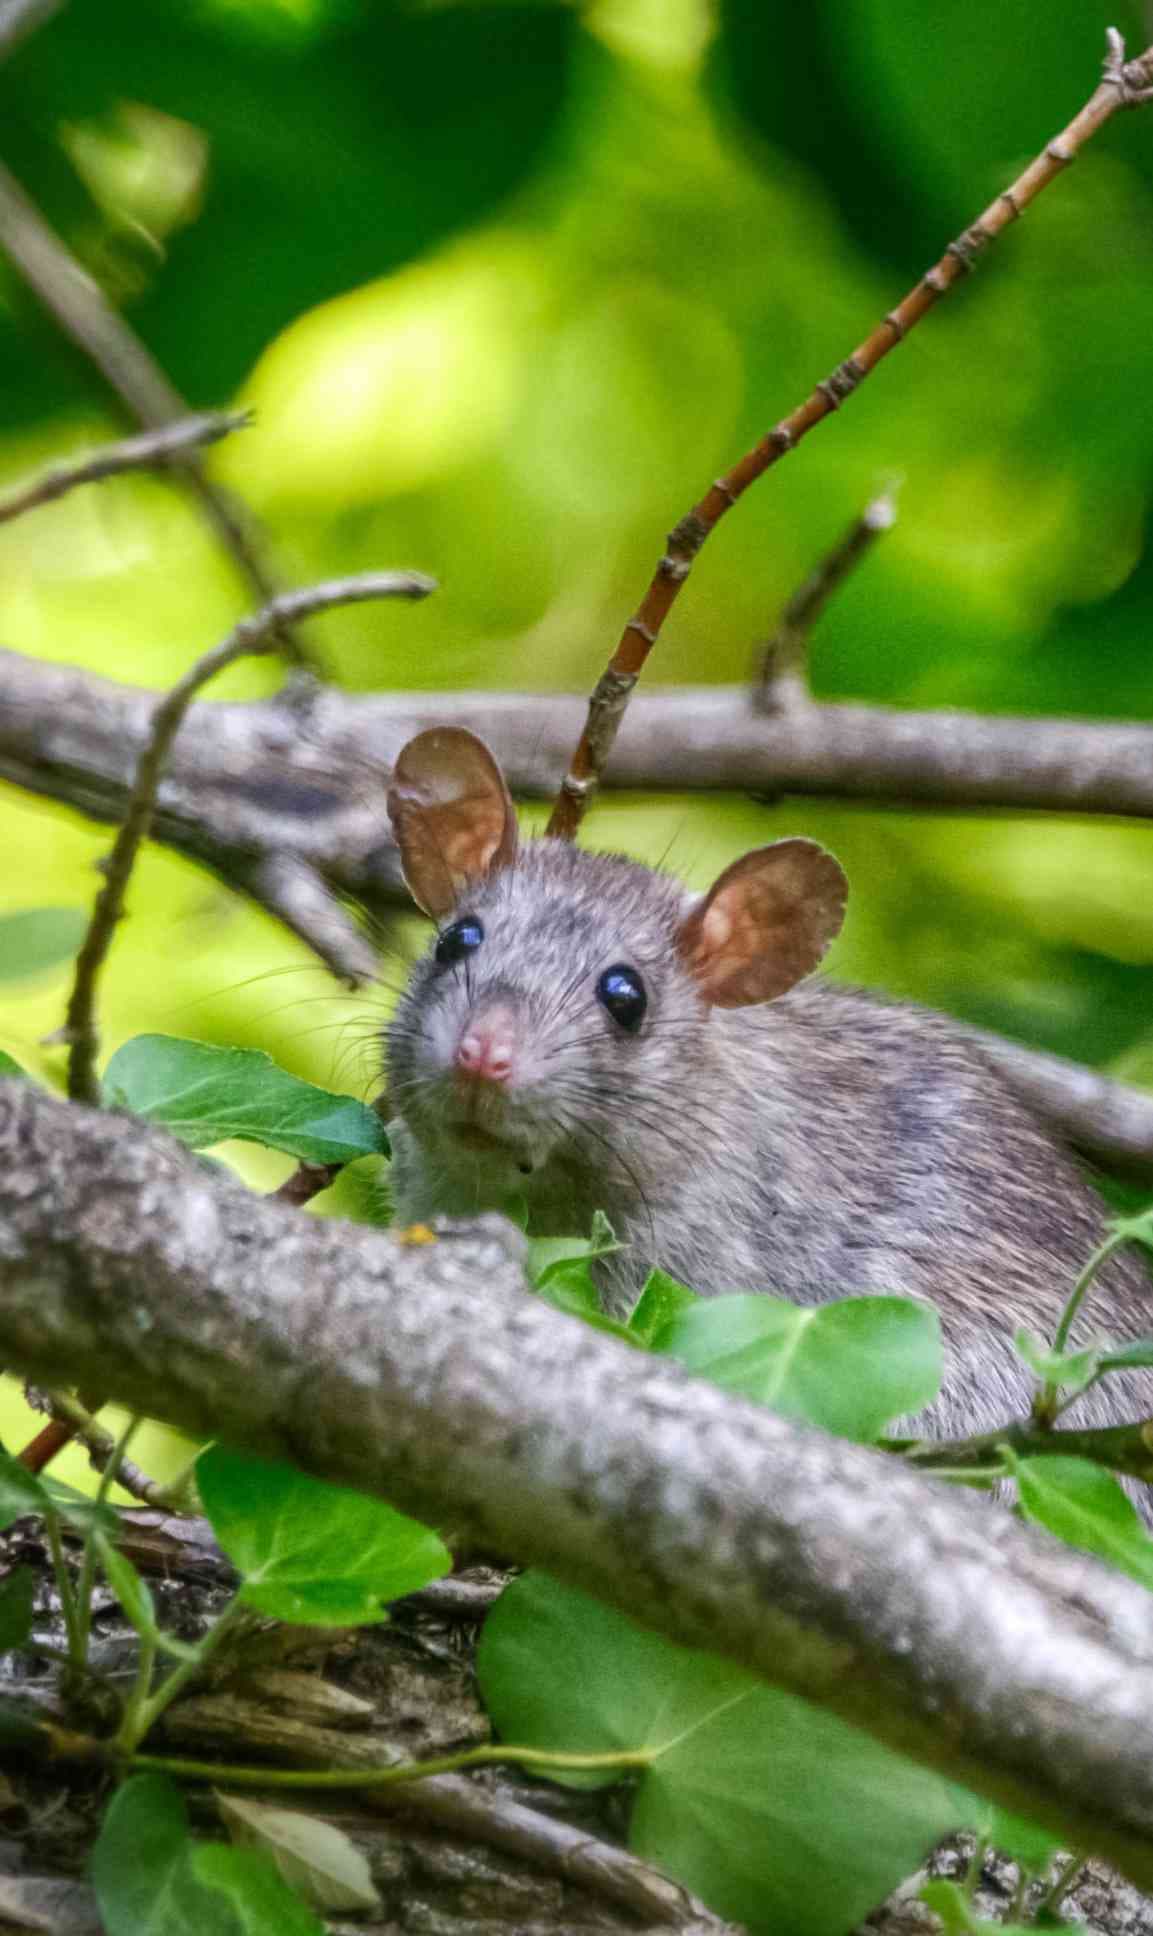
(21, 1492)
(779, 1815)
(142, 1868)
(36, 939)
(80, 1510)
(314, 1857)
(848, 1367)
(313, 1554)
(17, 1592)
(1071, 1370)
(205, 1094)
(1031, 1847)
(134, 1596)
(247, 1883)
(10, 1067)
(661, 1302)
(152, 1879)
(1085, 1506)
(549, 1256)
(1128, 1357)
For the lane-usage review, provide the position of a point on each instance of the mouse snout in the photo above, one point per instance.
(486, 1051)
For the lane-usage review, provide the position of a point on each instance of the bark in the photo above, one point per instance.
(424, 1374)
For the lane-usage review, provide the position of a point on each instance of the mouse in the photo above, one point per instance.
(586, 1034)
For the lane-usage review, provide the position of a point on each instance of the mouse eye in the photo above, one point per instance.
(462, 938)
(623, 993)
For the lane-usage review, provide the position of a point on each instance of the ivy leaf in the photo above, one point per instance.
(1085, 1506)
(17, 1593)
(313, 1554)
(36, 939)
(134, 1596)
(661, 1302)
(1071, 1370)
(247, 1886)
(152, 1879)
(1023, 1842)
(848, 1367)
(205, 1094)
(778, 1815)
(561, 1272)
(10, 1067)
(314, 1857)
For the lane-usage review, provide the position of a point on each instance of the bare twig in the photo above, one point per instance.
(154, 448)
(100, 1445)
(307, 1181)
(254, 634)
(88, 319)
(1124, 85)
(782, 680)
(1000, 1657)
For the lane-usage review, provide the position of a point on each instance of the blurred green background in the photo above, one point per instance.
(507, 285)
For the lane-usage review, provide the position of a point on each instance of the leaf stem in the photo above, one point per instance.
(242, 1777)
(1045, 1404)
(1055, 1896)
(88, 1562)
(77, 1648)
(143, 1714)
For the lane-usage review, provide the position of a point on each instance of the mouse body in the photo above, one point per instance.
(587, 1034)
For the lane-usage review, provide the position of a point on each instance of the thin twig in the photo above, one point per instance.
(88, 319)
(78, 1423)
(1123, 85)
(307, 1181)
(151, 448)
(252, 635)
(782, 680)
(1127, 1449)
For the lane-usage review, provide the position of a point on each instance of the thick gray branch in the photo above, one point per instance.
(425, 1373)
(283, 799)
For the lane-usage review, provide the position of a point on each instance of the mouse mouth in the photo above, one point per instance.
(485, 1142)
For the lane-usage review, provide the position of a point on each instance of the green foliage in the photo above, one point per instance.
(314, 1857)
(9, 1067)
(661, 1303)
(37, 939)
(1086, 1507)
(958, 1917)
(23, 1493)
(310, 1553)
(152, 1879)
(849, 1367)
(778, 1815)
(17, 1592)
(205, 1094)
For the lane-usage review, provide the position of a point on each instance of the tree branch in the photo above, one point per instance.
(425, 1374)
(287, 811)
(87, 318)
(257, 633)
(782, 680)
(153, 448)
(1124, 85)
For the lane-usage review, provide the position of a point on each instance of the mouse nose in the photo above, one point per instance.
(486, 1051)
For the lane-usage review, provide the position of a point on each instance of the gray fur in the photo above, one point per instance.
(826, 1143)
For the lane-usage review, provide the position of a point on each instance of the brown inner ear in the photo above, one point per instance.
(765, 924)
(452, 815)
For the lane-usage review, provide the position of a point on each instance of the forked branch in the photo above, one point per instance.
(1124, 85)
(252, 635)
(153, 449)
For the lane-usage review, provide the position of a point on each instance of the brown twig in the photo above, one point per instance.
(307, 1181)
(1125, 84)
(153, 448)
(88, 319)
(252, 635)
(782, 681)
(79, 1423)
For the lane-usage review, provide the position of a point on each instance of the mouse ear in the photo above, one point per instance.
(452, 815)
(765, 924)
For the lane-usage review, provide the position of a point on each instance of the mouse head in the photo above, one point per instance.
(561, 980)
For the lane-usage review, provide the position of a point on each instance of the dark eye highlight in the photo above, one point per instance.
(622, 992)
(462, 938)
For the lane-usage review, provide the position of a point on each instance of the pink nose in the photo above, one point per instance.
(486, 1052)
